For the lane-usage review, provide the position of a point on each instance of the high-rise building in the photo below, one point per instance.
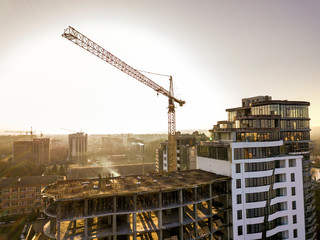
(41, 154)
(22, 152)
(264, 147)
(78, 143)
(186, 152)
(35, 151)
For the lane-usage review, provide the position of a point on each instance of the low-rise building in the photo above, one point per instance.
(23, 195)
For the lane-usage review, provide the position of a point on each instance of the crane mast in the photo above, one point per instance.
(79, 39)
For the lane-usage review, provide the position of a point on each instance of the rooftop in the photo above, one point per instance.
(14, 182)
(73, 189)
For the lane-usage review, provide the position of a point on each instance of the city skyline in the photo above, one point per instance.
(217, 53)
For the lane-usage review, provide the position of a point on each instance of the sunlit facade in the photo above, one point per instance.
(267, 154)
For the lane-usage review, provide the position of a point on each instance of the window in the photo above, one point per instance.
(293, 191)
(238, 170)
(238, 183)
(38, 189)
(14, 211)
(292, 162)
(22, 189)
(14, 203)
(295, 233)
(30, 188)
(22, 195)
(14, 196)
(239, 199)
(294, 205)
(294, 219)
(30, 195)
(30, 202)
(239, 230)
(292, 177)
(6, 204)
(6, 190)
(22, 203)
(239, 214)
(14, 189)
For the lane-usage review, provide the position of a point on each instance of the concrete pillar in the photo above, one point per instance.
(134, 218)
(160, 215)
(181, 213)
(228, 206)
(114, 218)
(195, 208)
(210, 211)
(58, 230)
(53, 226)
(86, 207)
(86, 227)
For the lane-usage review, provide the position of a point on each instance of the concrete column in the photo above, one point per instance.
(228, 211)
(160, 215)
(181, 213)
(134, 218)
(86, 227)
(114, 218)
(86, 207)
(210, 211)
(195, 208)
(58, 230)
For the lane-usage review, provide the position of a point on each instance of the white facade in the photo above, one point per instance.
(252, 181)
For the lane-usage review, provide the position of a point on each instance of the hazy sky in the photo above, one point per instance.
(217, 52)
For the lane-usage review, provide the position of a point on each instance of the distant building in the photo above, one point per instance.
(35, 151)
(78, 143)
(22, 152)
(186, 152)
(58, 154)
(41, 153)
(113, 145)
(23, 195)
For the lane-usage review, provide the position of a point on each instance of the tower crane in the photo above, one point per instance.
(79, 39)
(21, 132)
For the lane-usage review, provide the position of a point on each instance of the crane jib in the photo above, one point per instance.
(76, 37)
(79, 39)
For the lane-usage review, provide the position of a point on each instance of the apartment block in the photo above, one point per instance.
(23, 195)
(78, 144)
(264, 147)
(186, 152)
(35, 151)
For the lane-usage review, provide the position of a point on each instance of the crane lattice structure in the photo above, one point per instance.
(31, 132)
(76, 37)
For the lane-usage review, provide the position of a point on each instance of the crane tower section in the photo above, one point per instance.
(76, 37)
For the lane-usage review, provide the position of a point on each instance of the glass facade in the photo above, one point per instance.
(213, 152)
(284, 110)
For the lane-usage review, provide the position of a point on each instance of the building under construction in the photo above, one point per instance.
(178, 205)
